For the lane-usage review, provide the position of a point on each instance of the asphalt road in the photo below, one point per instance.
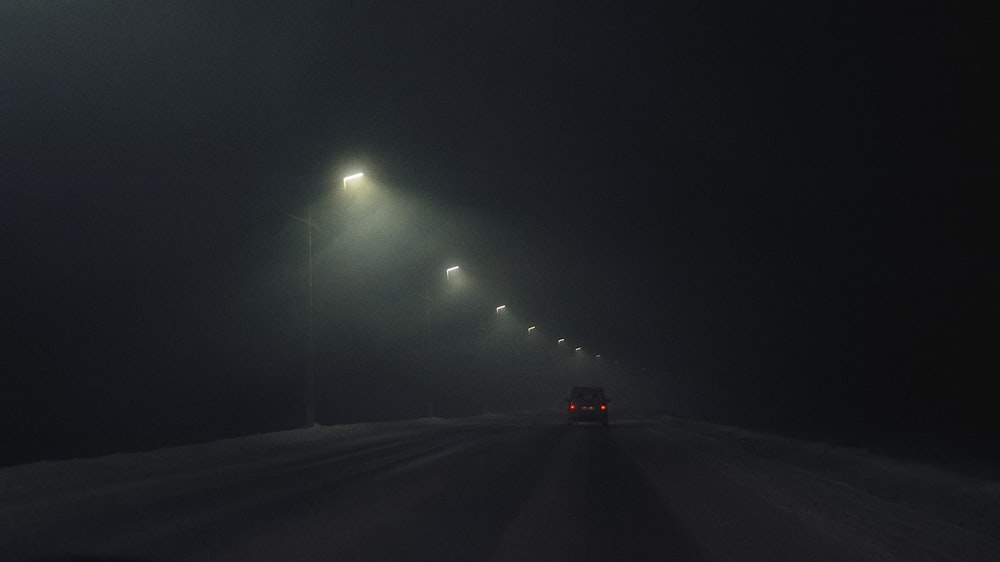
(503, 488)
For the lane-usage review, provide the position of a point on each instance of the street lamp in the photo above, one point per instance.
(501, 307)
(531, 329)
(427, 329)
(310, 400)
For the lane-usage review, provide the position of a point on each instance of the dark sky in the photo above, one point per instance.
(765, 205)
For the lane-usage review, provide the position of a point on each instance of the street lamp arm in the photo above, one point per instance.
(304, 221)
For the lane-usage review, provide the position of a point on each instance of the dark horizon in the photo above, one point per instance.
(773, 217)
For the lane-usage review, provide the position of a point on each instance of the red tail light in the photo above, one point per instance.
(572, 406)
(604, 406)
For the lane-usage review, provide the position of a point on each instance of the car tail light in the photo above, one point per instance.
(572, 406)
(604, 406)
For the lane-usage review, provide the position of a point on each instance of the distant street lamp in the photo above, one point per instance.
(427, 310)
(501, 307)
(531, 329)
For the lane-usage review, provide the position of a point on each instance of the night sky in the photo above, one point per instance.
(760, 214)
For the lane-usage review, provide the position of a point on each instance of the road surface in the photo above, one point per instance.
(525, 487)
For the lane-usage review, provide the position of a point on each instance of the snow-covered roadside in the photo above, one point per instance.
(37, 481)
(817, 480)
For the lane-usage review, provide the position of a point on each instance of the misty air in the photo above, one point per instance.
(519, 281)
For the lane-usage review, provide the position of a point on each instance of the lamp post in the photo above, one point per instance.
(427, 306)
(426, 296)
(310, 390)
(428, 301)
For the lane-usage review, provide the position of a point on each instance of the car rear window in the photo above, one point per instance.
(595, 395)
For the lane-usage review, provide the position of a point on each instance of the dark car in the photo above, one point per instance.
(587, 403)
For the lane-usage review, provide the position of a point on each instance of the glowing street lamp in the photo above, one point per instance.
(449, 271)
(310, 400)
(501, 307)
(531, 329)
(352, 177)
(561, 340)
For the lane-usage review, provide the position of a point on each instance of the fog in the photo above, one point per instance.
(169, 333)
(397, 335)
(775, 219)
